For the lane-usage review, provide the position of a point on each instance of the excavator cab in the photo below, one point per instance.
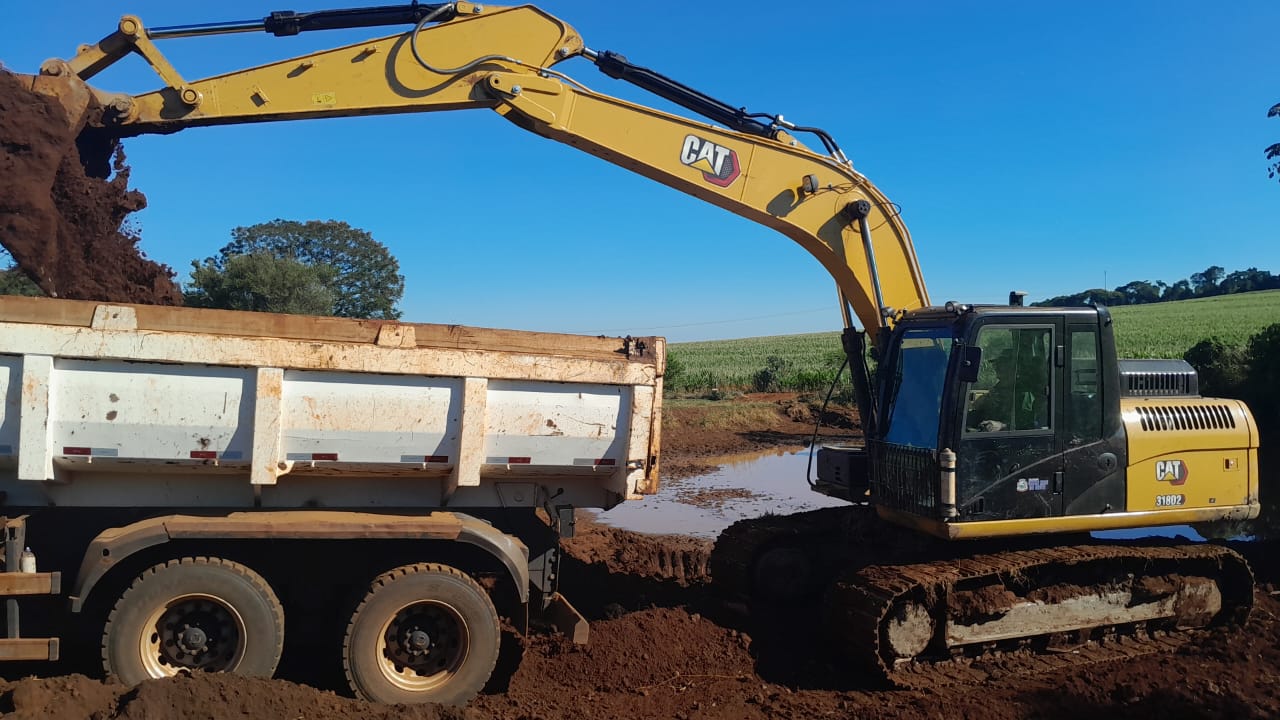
(993, 420)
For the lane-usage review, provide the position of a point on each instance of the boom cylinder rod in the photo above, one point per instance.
(846, 313)
(860, 210)
(618, 67)
(224, 28)
(288, 22)
(855, 349)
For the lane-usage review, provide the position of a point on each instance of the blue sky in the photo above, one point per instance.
(1037, 146)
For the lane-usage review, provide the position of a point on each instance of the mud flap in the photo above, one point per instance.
(566, 619)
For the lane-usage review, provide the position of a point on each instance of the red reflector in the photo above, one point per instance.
(77, 451)
(324, 456)
(519, 460)
(606, 461)
(437, 458)
(204, 454)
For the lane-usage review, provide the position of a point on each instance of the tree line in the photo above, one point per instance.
(1214, 280)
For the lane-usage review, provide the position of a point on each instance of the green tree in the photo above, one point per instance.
(1248, 281)
(1139, 292)
(15, 282)
(262, 282)
(1222, 368)
(772, 377)
(1263, 385)
(362, 276)
(1206, 283)
(1262, 394)
(1180, 290)
(1273, 152)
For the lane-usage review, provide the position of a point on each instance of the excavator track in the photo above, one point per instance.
(1033, 611)
(790, 559)
(740, 564)
(1012, 606)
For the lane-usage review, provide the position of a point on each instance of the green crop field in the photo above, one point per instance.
(1169, 329)
(807, 362)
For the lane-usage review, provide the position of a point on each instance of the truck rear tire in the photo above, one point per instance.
(197, 613)
(423, 633)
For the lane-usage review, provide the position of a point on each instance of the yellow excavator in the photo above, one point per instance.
(997, 437)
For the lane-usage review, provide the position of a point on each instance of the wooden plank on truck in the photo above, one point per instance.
(29, 648)
(13, 584)
(152, 318)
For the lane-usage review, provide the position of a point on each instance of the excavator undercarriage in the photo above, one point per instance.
(917, 611)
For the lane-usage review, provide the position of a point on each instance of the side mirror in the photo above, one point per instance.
(970, 361)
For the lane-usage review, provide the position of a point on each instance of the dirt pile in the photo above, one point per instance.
(657, 663)
(65, 224)
(620, 552)
(215, 697)
(608, 571)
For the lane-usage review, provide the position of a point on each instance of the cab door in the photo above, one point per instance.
(1089, 456)
(1009, 464)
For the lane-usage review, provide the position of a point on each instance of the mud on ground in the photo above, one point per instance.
(663, 647)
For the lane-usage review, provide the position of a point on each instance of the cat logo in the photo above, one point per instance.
(1174, 472)
(719, 164)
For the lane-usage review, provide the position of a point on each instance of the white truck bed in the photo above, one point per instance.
(124, 405)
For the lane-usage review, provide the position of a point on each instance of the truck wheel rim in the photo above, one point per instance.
(192, 632)
(423, 645)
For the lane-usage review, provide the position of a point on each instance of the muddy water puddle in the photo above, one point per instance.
(745, 486)
(755, 484)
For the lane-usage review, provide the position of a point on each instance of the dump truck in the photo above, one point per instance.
(179, 481)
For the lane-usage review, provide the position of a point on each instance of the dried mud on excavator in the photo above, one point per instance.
(917, 612)
(64, 205)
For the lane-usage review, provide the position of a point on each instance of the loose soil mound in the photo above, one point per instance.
(608, 571)
(215, 697)
(63, 225)
(677, 558)
(658, 663)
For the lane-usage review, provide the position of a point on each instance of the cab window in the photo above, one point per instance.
(915, 398)
(1013, 391)
(1084, 401)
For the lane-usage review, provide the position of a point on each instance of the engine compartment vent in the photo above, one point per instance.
(1186, 417)
(1158, 378)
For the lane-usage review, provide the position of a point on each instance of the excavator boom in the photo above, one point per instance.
(467, 56)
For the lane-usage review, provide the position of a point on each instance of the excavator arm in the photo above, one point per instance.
(463, 55)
